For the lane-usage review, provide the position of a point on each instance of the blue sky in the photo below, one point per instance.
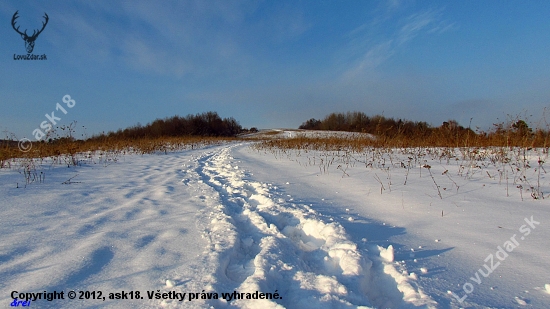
(275, 63)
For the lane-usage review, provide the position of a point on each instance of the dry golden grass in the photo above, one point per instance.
(71, 149)
(540, 139)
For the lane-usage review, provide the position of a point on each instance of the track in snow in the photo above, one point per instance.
(263, 241)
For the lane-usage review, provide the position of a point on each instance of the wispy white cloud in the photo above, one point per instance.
(414, 25)
(373, 43)
(172, 38)
(430, 22)
(443, 27)
(372, 58)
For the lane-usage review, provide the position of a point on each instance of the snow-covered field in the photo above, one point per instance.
(233, 226)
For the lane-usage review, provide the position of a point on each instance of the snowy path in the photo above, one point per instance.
(263, 241)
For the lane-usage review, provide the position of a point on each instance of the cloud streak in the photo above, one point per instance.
(373, 43)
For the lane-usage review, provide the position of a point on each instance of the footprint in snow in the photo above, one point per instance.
(521, 301)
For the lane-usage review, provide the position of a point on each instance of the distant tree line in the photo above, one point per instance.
(205, 124)
(448, 132)
(379, 125)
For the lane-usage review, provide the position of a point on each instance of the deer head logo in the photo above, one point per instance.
(29, 40)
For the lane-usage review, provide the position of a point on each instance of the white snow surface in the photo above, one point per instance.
(287, 133)
(228, 218)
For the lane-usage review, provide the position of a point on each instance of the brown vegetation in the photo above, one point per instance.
(160, 135)
(404, 133)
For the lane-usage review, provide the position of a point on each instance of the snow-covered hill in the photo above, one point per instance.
(291, 133)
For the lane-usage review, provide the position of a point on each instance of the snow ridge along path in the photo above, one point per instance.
(260, 240)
